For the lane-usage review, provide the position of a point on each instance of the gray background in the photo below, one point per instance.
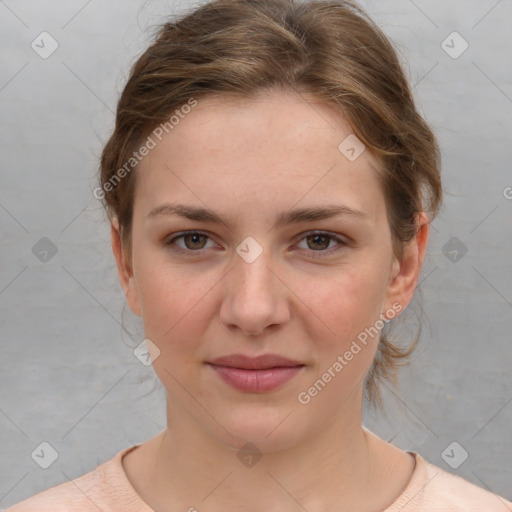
(68, 373)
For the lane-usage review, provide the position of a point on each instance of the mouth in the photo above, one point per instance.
(255, 374)
(263, 362)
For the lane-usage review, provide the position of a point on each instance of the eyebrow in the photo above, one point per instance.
(284, 218)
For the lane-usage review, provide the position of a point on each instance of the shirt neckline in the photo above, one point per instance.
(119, 473)
(416, 483)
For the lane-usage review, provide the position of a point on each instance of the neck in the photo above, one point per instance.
(333, 467)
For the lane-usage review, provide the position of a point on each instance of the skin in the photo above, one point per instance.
(248, 162)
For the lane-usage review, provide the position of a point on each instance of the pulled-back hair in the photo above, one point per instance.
(326, 48)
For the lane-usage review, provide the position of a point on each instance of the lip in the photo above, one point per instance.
(255, 374)
(255, 363)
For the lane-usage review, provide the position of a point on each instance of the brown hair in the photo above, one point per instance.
(330, 49)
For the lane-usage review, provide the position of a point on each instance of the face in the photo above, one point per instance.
(268, 271)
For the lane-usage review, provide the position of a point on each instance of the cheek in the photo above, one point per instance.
(350, 306)
(174, 307)
(344, 303)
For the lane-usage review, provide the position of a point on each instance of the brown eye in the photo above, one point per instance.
(319, 242)
(194, 241)
(191, 243)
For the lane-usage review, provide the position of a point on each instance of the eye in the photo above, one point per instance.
(319, 242)
(193, 241)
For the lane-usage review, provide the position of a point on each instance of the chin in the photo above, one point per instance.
(264, 429)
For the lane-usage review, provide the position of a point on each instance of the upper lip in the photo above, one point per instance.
(255, 363)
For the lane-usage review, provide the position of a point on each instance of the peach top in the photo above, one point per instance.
(108, 489)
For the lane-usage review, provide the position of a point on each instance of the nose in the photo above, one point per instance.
(255, 299)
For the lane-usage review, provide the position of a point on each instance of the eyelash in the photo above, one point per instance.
(323, 252)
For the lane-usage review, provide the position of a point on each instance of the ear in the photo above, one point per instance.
(405, 273)
(124, 270)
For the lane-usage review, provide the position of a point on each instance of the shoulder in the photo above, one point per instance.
(93, 491)
(61, 498)
(436, 490)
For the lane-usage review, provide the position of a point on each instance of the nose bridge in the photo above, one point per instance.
(255, 278)
(254, 297)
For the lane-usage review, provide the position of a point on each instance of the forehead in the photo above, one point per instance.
(278, 145)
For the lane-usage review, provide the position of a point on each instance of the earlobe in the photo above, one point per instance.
(124, 270)
(405, 273)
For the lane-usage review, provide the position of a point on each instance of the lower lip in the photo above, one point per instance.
(256, 381)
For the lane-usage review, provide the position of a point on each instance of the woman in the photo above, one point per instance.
(270, 186)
